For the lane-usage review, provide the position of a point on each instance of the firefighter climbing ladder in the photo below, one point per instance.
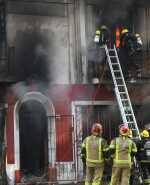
(121, 91)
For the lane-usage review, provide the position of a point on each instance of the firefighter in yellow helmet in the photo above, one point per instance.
(95, 147)
(128, 41)
(123, 149)
(145, 134)
(97, 36)
(143, 155)
(125, 30)
(102, 36)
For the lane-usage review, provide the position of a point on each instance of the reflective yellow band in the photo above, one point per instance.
(100, 149)
(130, 147)
(87, 146)
(122, 161)
(112, 146)
(134, 150)
(94, 161)
(106, 149)
(117, 148)
(96, 183)
(145, 161)
(146, 180)
(83, 145)
(88, 183)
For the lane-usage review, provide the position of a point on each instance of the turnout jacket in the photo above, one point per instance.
(95, 148)
(143, 154)
(123, 149)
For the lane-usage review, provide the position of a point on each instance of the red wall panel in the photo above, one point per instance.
(10, 134)
(64, 149)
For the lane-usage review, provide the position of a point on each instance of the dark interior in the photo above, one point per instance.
(33, 138)
(109, 116)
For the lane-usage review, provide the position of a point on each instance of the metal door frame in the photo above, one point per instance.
(78, 133)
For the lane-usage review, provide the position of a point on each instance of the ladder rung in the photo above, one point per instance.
(129, 114)
(111, 50)
(125, 106)
(115, 63)
(133, 126)
(120, 85)
(133, 129)
(116, 70)
(118, 78)
(124, 99)
(122, 92)
(130, 122)
(112, 56)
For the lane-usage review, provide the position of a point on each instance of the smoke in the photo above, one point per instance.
(114, 11)
(96, 54)
(20, 89)
(32, 56)
(143, 113)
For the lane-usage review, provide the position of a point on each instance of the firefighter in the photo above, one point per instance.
(131, 42)
(130, 54)
(139, 43)
(95, 147)
(97, 36)
(143, 155)
(102, 36)
(128, 42)
(101, 39)
(122, 150)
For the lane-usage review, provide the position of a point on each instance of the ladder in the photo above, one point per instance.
(121, 91)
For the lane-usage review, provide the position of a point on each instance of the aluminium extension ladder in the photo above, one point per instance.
(121, 91)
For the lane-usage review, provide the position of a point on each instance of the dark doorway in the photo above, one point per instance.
(107, 115)
(33, 138)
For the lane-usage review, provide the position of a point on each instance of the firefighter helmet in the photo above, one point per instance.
(97, 32)
(145, 133)
(124, 31)
(96, 129)
(103, 27)
(124, 130)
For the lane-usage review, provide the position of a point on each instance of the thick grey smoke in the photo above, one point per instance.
(20, 89)
(96, 54)
(143, 113)
(31, 56)
(114, 11)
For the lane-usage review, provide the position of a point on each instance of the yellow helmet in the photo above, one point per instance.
(97, 32)
(145, 133)
(124, 31)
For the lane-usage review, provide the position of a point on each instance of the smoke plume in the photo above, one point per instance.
(114, 11)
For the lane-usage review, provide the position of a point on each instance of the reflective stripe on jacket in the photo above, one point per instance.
(95, 146)
(123, 148)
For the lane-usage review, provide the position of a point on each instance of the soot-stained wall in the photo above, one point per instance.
(43, 43)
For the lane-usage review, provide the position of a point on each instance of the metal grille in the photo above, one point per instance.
(62, 150)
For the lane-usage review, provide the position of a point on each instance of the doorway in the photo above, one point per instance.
(33, 134)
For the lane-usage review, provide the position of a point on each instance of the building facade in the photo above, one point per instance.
(51, 101)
